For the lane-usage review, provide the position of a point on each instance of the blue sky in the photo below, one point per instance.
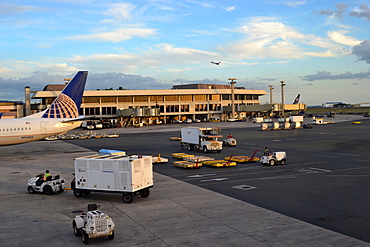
(321, 49)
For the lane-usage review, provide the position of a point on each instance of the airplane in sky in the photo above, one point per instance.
(217, 63)
(296, 100)
(61, 116)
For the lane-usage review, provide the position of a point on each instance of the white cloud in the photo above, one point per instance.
(120, 11)
(294, 4)
(230, 9)
(117, 35)
(203, 4)
(12, 9)
(268, 38)
(341, 38)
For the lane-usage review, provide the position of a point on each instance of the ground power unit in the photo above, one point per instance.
(129, 175)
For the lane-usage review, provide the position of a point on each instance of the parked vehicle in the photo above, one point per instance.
(92, 224)
(205, 139)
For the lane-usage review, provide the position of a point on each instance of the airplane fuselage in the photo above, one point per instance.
(15, 131)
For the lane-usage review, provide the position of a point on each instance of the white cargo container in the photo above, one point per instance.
(129, 175)
(296, 118)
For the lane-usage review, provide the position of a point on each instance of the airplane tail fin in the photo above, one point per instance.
(296, 99)
(67, 104)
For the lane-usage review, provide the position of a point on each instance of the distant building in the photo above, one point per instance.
(203, 101)
(335, 104)
(11, 109)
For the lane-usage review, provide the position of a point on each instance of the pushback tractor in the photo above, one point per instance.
(48, 187)
(92, 224)
(274, 158)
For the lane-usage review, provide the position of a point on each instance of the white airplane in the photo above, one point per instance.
(61, 116)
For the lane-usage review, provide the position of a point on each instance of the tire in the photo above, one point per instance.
(283, 162)
(145, 193)
(77, 192)
(218, 151)
(48, 190)
(111, 237)
(30, 190)
(76, 231)
(205, 150)
(127, 198)
(272, 162)
(85, 238)
(188, 147)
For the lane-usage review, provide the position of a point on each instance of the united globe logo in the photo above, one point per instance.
(62, 107)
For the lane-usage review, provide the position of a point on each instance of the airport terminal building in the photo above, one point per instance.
(206, 102)
(193, 101)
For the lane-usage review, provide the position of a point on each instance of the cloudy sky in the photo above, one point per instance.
(321, 49)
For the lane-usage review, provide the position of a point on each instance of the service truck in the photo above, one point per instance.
(128, 175)
(205, 139)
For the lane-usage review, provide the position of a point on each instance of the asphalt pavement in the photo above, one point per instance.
(176, 213)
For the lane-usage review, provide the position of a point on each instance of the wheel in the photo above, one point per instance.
(188, 147)
(283, 162)
(205, 150)
(85, 238)
(48, 190)
(272, 162)
(145, 192)
(111, 237)
(127, 198)
(30, 190)
(76, 231)
(77, 192)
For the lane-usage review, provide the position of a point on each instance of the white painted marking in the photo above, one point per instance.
(277, 177)
(356, 155)
(308, 150)
(244, 187)
(214, 179)
(348, 176)
(247, 168)
(319, 169)
(200, 176)
(313, 170)
(306, 170)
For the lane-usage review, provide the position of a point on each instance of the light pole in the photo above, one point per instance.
(282, 98)
(232, 82)
(271, 87)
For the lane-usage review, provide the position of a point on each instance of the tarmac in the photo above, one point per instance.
(175, 214)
